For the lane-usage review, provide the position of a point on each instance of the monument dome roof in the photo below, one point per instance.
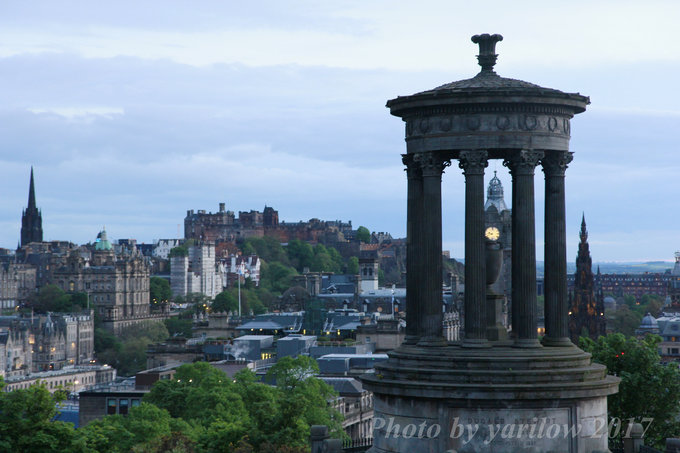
(488, 84)
(648, 322)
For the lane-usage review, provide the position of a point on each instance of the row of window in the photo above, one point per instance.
(120, 405)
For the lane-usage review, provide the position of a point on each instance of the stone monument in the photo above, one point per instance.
(490, 392)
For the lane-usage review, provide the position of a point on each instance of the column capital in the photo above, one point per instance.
(473, 162)
(413, 169)
(432, 163)
(555, 163)
(523, 162)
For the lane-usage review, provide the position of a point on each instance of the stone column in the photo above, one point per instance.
(473, 164)
(414, 247)
(556, 307)
(432, 166)
(524, 317)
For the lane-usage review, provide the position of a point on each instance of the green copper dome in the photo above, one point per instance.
(102, 242)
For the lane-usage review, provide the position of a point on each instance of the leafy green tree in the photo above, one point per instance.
(304, 401)
(276, 277)
(228, 301)
(336, 258)
(650, 303)
(624, 320)
(352, 265)
(54, 299)
(300, 254)
(648, 389)
(178, 327)
(630, 301)
(240, 414)
(127, 353)
(267, 248)
(363, 235)
(147, 429)
(79, 301)
(322, 261)
(159, 290)
(26, 422)
(180, 250)
(225, 302)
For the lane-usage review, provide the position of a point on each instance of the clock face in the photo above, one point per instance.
(492, 233)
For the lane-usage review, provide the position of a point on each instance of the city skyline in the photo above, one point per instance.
(133, 115)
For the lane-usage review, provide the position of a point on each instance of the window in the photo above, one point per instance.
(123, 406)
(135, 402)
(111, 406)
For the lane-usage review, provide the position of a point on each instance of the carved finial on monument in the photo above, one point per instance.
(487, 50)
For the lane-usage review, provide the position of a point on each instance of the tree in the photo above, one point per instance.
(267, 248)
(159, 290)
(127, 353)
(26, 422)
(224, 302)
(304, 401)
(352, 265)
(322, 260)
(363, 235)
(178, 327)
(180, 250)
(624, 320)
(147, 428)
(648, 388)
(244, 415)
(52, 298)
(300, 254)
(276, 277)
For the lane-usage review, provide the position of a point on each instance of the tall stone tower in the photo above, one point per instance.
(31, 218)
(497, 215)
(587, 313)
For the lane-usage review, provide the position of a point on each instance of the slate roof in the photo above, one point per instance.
(345, 386)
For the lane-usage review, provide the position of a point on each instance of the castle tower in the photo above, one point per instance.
(587, 313)
(31, 219)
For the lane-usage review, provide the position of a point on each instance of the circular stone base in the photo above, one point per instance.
(498, 399)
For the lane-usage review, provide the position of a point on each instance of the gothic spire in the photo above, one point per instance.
(31, 219)
(31, 193)
(584, 232)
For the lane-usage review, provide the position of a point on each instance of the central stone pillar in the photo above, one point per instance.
(556, 306)
(414, 245)
(524, 316)
(431, 316)
(473, 164)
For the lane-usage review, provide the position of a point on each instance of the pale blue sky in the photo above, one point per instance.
(133, 114)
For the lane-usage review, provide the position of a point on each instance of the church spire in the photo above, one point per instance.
(31, 193)
(31, 220)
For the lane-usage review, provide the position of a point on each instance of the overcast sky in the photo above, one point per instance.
(134, 112)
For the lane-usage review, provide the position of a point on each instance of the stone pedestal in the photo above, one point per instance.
(500, 400)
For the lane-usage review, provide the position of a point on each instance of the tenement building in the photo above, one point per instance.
(491, 378)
